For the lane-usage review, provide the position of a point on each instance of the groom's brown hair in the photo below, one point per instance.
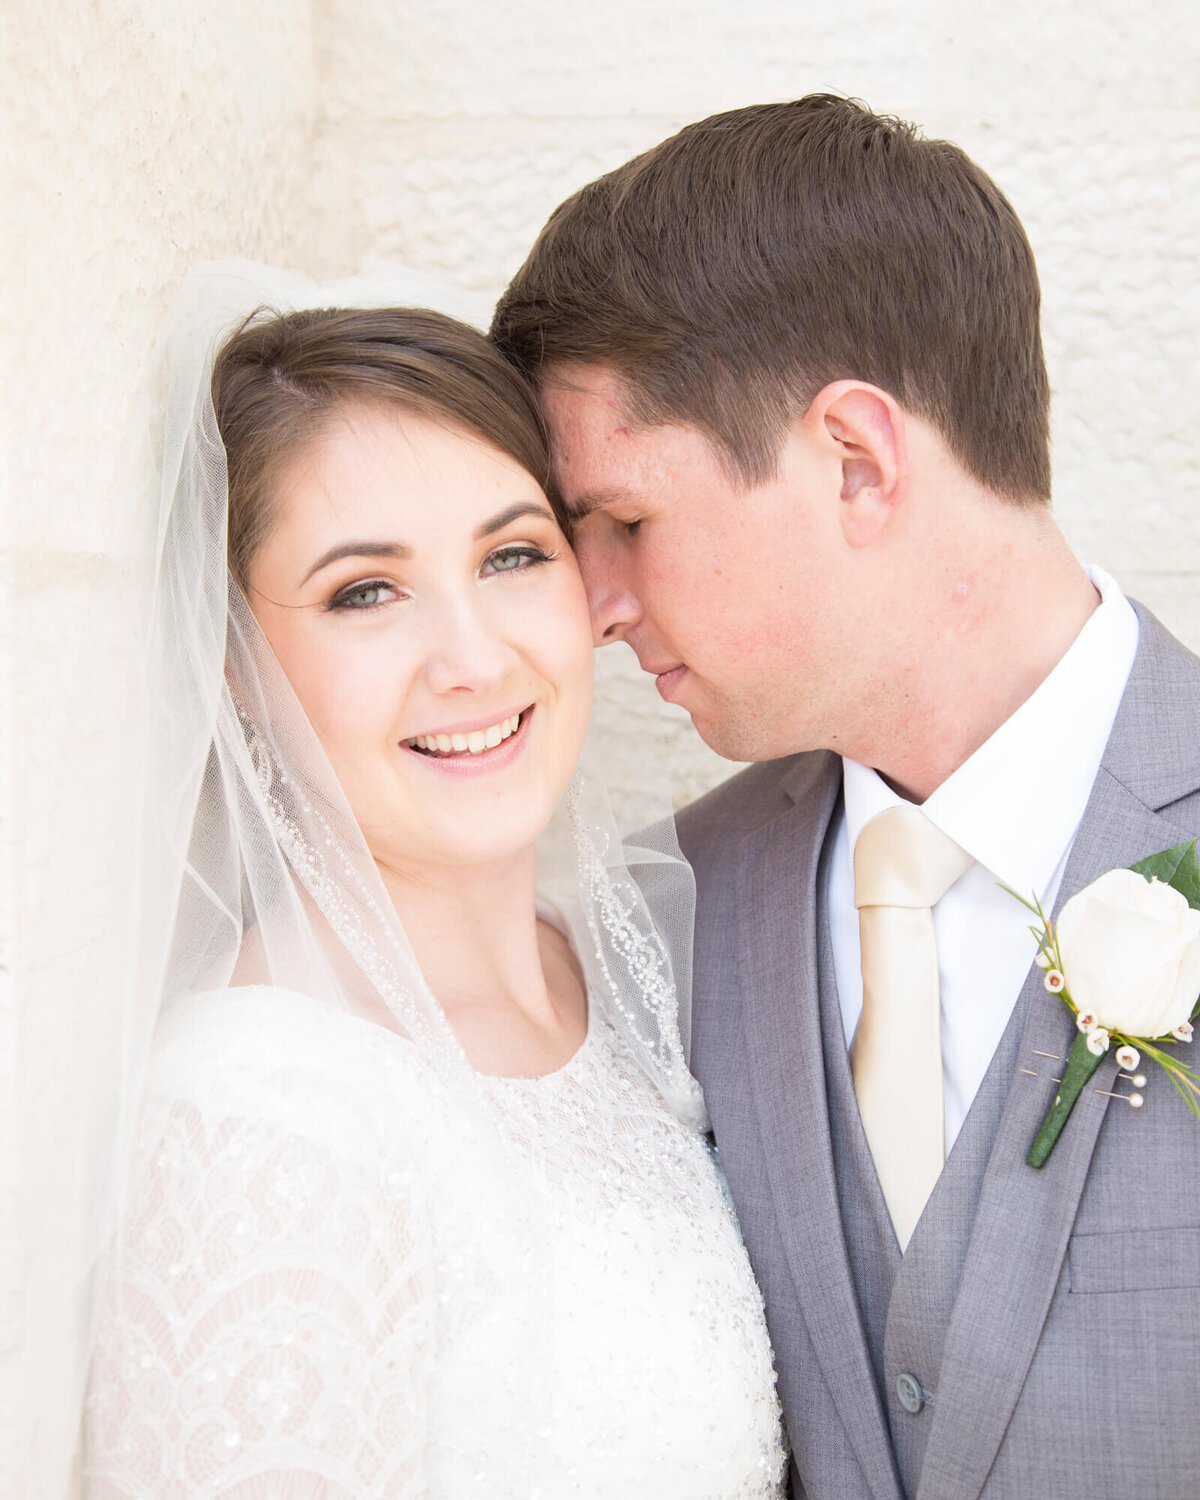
(740, 266)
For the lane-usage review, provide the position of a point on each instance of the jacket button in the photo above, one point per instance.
(910, 1394)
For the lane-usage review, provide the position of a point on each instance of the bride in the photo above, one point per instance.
(419, 1202)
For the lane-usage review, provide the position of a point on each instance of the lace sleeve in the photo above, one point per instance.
(269, 1331)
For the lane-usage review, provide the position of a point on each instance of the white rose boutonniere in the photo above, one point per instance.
(1124, 956)
(1132, 949)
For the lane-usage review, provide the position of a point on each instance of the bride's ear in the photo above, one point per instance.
(864, 427)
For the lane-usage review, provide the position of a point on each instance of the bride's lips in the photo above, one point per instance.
(466, 762)
(667, 682)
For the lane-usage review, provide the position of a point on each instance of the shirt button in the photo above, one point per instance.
(911, 1396)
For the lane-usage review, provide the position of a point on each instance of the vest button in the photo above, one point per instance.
(910, 1394)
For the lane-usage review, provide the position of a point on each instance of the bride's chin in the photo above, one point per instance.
(485, 841)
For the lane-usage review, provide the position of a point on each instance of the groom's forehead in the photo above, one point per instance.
(597, 461)
(582, 402)
(603, 456)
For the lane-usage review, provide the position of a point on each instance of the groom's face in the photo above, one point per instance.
(731, 596)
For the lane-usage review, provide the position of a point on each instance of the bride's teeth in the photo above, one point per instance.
(476, 741)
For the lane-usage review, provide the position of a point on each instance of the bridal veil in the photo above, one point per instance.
(249, 865)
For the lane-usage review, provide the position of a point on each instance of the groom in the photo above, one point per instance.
(792, 368)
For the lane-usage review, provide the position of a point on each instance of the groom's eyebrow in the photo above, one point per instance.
(579, 506)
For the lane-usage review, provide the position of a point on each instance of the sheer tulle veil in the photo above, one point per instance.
(245, 843)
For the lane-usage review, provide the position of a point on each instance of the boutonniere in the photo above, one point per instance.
(1124, 957)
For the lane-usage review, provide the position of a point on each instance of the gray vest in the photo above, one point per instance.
(905, 1303)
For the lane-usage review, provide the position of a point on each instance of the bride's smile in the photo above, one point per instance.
(418, 591)
(466, 744)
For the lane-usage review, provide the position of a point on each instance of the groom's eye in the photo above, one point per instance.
(630, 528)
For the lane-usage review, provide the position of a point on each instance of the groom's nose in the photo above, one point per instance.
(613, 604)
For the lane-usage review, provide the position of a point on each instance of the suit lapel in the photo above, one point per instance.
(1004, 1298)
(777, 961)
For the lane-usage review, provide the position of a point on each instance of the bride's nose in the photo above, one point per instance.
(467, 652)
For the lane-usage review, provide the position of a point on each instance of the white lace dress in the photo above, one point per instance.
(326, 1293)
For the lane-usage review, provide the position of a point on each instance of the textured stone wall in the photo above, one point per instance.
(449, 132)
(140, 136)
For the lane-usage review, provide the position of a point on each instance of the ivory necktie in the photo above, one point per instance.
(903, 866)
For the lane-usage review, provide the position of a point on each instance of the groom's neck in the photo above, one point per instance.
(994, 607)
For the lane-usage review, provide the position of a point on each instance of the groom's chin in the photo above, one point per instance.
(736, 737)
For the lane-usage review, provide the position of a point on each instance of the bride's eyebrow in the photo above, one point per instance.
(357, 549)
(512, 513)
(400, 551)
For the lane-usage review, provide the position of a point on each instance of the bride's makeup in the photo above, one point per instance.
(421, 598)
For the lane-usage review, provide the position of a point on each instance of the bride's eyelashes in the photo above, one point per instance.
(357, 599)
(373, 593)
(515, 558)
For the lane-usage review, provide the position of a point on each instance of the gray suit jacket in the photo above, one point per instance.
(1052, 1318)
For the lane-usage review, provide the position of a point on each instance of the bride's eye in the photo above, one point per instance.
(361, 597)
(515, 558)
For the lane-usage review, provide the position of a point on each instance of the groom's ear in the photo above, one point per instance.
(863, 429)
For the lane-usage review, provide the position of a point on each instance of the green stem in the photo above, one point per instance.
(1081, 1064)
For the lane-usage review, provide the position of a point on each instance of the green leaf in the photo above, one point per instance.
(1081, 1064)
(1175, 867)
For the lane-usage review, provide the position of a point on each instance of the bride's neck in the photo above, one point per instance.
(474, 933)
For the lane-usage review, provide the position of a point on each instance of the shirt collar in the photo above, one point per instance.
(1014, 805)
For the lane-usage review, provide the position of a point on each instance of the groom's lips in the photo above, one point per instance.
(666, 682)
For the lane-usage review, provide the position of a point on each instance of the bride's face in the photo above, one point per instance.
(418, 592)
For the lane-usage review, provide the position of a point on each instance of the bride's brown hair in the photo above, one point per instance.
(280, 378)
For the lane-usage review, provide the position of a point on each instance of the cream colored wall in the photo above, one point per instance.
(143, 137)
(323, 133)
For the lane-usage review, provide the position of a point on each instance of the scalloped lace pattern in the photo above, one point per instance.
(327, 1291)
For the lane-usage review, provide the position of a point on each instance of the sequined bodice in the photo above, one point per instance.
(329, 1291)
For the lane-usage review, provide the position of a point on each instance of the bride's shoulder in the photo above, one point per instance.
(255, 1026)
(278, 1054)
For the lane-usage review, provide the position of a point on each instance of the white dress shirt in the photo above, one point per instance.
(1014, 806)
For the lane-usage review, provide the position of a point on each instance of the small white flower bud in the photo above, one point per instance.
(1097, 1041)
(1087, 1020)
(1043, 959)
(1054, 981)
(1183, 1032)
(1128, 1058)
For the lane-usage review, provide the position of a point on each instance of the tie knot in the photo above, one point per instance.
(901, 859)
